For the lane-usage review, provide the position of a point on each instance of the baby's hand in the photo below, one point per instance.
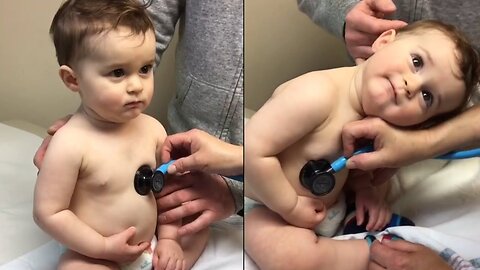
(379, 213)
(307, 213)
(117, 249)
(168, 255)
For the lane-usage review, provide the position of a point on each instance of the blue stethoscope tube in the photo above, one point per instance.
(341, 162)
(318, 175)
(146, 180)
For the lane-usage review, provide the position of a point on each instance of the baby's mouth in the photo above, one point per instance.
(134, 104)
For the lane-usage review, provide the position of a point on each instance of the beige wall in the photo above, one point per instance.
(281, 43)
(30, 88)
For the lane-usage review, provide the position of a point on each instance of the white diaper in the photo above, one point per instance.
(333, 219)
(144, 261)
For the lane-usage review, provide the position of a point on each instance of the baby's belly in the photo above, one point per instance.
(113, 214)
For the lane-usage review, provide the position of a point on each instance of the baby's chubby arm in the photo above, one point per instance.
(168, 251)
(53, 191)
(296, 109)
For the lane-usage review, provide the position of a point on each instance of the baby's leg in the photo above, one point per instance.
(71, 260)
(193, 246)
(274, 244)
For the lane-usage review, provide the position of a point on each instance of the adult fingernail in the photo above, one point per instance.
(351, 164)
(172, 169)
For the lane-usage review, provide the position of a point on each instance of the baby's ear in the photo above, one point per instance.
(69, 78)
(384, 39)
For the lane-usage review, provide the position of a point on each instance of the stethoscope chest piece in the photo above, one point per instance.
(147, 180)
(317, 177)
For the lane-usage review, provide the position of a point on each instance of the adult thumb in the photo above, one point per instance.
(365, 161)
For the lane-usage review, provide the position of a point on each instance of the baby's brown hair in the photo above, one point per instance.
(76, 20)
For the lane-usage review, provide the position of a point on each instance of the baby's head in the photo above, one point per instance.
(424, 71)
(106, 52)
(76, 21)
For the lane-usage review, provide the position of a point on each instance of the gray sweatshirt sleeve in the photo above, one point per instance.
(237, 192)
(329, 14)
(165, 15)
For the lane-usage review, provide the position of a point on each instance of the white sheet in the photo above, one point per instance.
(24, 246)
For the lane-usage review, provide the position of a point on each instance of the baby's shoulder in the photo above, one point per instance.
(315, 82)
(149, 123)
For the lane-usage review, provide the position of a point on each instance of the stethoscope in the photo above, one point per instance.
(318, 175)
(147, 180)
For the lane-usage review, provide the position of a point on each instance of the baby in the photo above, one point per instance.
(84, 195)
(424, 72)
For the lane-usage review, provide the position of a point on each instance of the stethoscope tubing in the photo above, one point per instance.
(341, 162)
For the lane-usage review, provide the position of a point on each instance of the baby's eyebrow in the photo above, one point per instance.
(427, 53)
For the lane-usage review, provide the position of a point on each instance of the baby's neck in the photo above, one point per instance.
(97, 121)
(355, 89)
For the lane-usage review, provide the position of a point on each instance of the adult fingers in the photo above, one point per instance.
(176, 183)
(358, 61)
(58, 124)
(367, 161)
(381, 254)
(385, 6)
(189, 163)
(200, 223)
(401, 245)
(353, 131)
(184, 210)
(175, 145)
(374, 25)
(359, 51)
(40, 154)
(180, 197)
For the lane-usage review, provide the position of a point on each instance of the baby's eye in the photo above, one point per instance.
(117, 73)
(417, 62)
(145, 69)
(428, 98)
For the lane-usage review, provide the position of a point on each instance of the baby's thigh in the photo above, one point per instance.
(71, 260)
(274, 244)
(193, 246)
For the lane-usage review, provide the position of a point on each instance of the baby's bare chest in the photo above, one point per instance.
(111, 164)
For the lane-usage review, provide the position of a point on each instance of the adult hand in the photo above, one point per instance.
(195, 193)
(364, 23)
(40, 154)
(196, 150)
(117, 249)
(399, 254)
(393, 147)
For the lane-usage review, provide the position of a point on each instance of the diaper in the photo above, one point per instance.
(329, 225)
(144, 261)
(333, 218)
(249, 204)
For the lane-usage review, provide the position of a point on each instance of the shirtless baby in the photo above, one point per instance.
(84, 195)
(423, 72)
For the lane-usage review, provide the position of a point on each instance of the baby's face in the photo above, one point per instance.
(412, 78)
(116, 78)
